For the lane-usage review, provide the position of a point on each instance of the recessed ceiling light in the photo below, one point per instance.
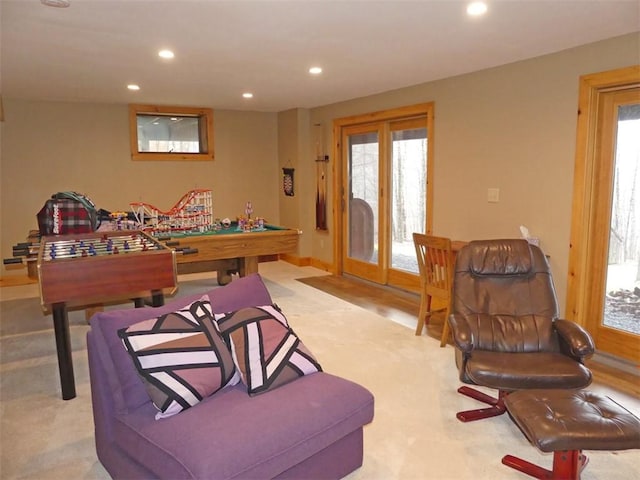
(315, 70)
(56, 3)
(477, 8)
(166, 54)
(133, 87)
(247, 95)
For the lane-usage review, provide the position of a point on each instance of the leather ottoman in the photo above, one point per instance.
(566, 422)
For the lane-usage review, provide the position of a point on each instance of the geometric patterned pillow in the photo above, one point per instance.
(267, 352)
(180, 357)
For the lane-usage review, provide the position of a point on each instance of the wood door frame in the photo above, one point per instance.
(585, 254)
(339, 203)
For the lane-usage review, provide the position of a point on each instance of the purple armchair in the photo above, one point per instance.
(309, 428)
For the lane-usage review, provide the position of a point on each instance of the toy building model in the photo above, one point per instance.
(192, 213)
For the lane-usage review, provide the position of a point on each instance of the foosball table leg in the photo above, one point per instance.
(63, 347)
(157, 298)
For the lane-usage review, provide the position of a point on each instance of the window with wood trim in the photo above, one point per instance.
(170, 133)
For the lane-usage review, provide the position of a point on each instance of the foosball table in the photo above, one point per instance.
(88, 269)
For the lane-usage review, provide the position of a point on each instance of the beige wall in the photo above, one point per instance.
(293, 139)
(511, 127)
(49, 147)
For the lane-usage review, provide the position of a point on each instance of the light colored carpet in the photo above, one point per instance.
(414, 434)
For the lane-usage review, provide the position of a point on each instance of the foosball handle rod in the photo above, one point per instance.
(10, 261)
(187, 250)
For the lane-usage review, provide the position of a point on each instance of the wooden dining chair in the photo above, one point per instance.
(436, 267)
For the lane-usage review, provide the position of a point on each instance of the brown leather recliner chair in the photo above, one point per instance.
(505, 325)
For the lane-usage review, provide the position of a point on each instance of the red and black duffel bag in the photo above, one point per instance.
(68, 212)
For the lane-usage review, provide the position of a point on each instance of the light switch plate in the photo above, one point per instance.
(493, 195)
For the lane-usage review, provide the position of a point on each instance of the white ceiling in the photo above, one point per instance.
(90, 51)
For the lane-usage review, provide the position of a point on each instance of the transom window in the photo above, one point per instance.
(170, 133)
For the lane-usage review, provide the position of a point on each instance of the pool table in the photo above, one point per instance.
(229, 250)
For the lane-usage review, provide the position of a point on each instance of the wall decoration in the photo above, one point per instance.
(321, 178)
(287, 181)
(321, 193)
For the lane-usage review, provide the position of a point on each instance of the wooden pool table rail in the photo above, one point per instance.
(231, 253)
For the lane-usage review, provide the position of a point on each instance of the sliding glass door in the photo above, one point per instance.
(408, 195)
(617, 329)
(385, 197)
(363, 248)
